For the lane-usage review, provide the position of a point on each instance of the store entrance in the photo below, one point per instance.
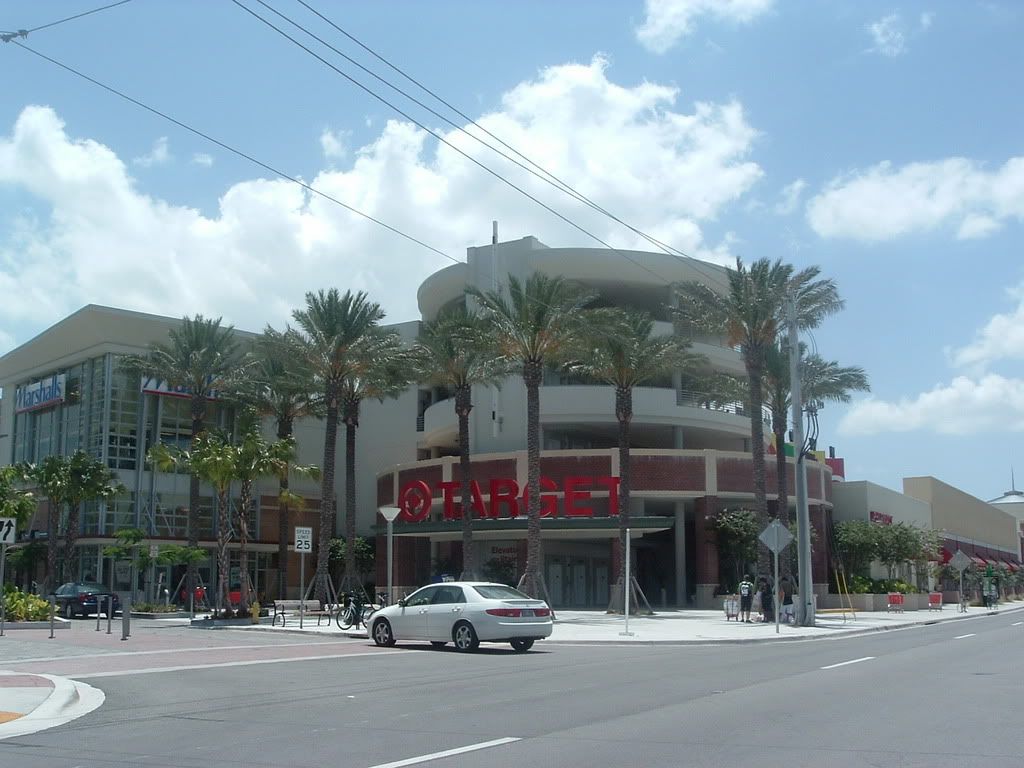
(577, 581)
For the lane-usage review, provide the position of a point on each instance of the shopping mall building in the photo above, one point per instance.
(64, 390)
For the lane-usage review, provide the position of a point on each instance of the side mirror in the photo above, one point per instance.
(401, 603)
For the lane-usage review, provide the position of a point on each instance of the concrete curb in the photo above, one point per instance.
(69, 700)
(58, 623)
(837, 634)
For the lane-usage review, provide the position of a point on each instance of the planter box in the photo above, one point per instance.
(57, 624)
(163, 615)
(214, 623)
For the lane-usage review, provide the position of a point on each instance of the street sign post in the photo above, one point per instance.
(8, 530)
(303, 544)
(961, 562)
(776, 537)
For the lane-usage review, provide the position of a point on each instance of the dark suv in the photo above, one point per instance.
(78, 598)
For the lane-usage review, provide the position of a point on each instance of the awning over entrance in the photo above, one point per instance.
(551, 528)
(978, 560)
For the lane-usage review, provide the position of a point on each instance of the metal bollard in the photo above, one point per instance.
(99, 605)
(110, 611)
(126, 619)
(53, 612)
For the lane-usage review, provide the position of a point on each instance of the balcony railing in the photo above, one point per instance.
(691, 399)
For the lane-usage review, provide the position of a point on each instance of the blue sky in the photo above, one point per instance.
(881, 141)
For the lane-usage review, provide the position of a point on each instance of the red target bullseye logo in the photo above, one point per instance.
(414, 501)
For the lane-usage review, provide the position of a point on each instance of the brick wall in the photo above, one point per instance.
(385, 490)
(559, 467)
(484, 471)
(667, 473)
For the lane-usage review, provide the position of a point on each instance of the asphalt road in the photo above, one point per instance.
(948, 694)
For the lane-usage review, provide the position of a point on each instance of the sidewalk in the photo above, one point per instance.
(30, 703)
(691, 626)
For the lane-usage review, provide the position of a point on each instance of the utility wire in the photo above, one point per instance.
(234, 151)
(544, 174)
(447, 143)
(9, 36)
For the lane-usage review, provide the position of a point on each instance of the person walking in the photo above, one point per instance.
(767, 601)
(746, 590)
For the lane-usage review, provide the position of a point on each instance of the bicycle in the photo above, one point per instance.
(354, 612)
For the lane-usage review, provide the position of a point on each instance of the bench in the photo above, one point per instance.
(286, 608)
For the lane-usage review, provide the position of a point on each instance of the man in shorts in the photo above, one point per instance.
(746, 590)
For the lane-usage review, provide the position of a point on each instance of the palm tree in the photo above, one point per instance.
(751, 311)
(820, 380)
(89, 479)
(535, 324)
(380, 370)
(452, 353)
(213, 460)
(619, 350)
(280, 387)
(68, 480)
(255, 458)
(329, 329)
(203, 357)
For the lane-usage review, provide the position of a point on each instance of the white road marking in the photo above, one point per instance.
(155, 670)
(1017, 623)
(174, 650)
(447, 753)
(961, 637)
(851, 661)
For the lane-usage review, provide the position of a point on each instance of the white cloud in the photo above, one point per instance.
(789, 197)
(1002, 338)
(992, 403)
(159, 155)
(203, 159)
(926, 19)
(667, 21)
(887, 36)
(884, 202)
(334, 144)
(100, 238)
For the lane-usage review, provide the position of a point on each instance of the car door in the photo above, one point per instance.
(445, 609)
(410, 622)
(63, 595)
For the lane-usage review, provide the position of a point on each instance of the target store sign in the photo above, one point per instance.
(505, 499)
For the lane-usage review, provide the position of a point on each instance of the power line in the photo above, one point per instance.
(23, 33)
(234, 151)
(447, 143)
(545, 175)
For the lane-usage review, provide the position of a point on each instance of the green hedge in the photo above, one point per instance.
(24, 606)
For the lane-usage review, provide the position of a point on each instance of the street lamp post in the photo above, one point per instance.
(389, 514)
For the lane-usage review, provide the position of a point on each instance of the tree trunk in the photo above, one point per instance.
(223, 560)
(198, 413)
(532, 371)
(754, 372)
(52, 516)
(624, 415)
(351, 425)
(70, 536)
(463, 406)
(244, 500)
(327, 495)
(284, 431)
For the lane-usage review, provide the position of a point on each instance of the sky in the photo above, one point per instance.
(883, 142)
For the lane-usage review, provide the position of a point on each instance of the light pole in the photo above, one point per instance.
(389, 514)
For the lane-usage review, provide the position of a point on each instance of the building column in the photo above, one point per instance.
(821, 555)
(680, 546)
(707, 552)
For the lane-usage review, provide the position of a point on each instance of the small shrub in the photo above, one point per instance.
(154, 608)
(24, 606)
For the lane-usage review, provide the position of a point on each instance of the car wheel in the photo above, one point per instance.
(522, 644)
(69, 612)
(438, 643)
(465, 637)
(382, 634)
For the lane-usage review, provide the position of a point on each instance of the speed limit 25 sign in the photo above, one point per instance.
(303, 538)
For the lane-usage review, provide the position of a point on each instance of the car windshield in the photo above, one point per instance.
(500, 592)
(90, 586)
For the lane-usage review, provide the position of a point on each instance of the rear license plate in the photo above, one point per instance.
(527, 612)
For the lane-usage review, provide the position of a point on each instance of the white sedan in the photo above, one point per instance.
(464, 613)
